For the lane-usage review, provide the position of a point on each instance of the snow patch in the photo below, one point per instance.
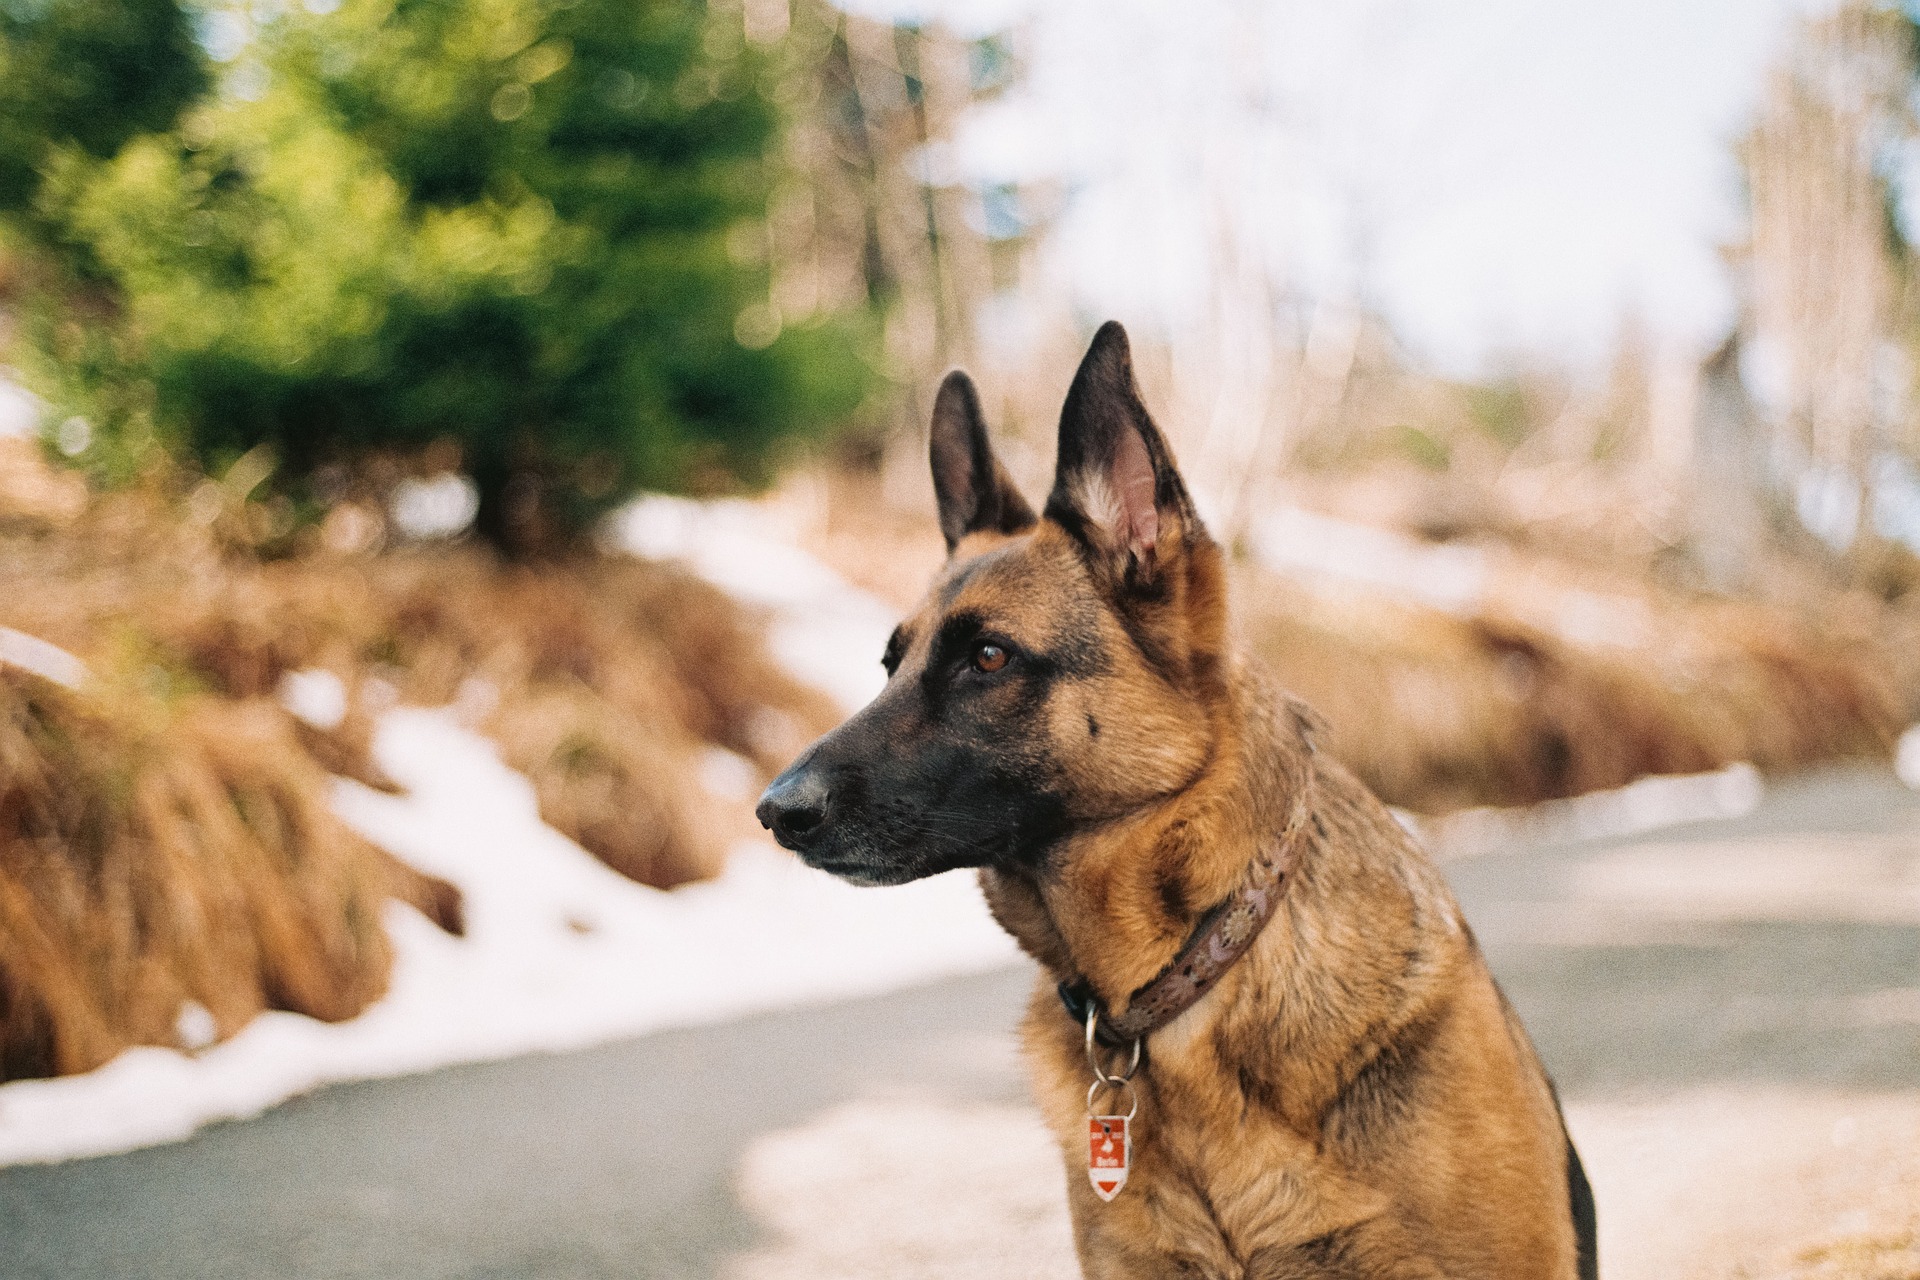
(317, 697)
(561, 953)
(1906, 758)
(48, 661)
(1458, 580)
(727, 776)
(996, 1171)
(20, 410)
(825, 631)
(1294, 541)
(194, 1027)
(1646, 804)
(438, 507)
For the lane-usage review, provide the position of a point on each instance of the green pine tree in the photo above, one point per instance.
(510, 224)
(87, 74)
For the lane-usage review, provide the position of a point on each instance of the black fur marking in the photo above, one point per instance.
(1159, 657)
(916, 792)
(953, 586)
(1251, 1085)
(1328, 1250)
(1257, 1086)
(1093, 726)
(1079, 655)
(953, 642)
(1553, 757)
(1071, 643)
(1032, 671)
(1389, 1089)
(897, 646)
(1585, 1222)
(1329, 1257)
(1173, 894)
(1069, 518)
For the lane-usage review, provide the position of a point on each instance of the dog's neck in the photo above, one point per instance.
(1116, 903)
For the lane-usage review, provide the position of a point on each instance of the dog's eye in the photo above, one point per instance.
(989, 658)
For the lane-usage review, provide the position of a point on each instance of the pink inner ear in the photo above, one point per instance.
(1133, 481)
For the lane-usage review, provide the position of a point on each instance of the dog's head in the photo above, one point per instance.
(1062, 671)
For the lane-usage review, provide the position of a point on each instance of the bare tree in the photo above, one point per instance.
(1824, 268)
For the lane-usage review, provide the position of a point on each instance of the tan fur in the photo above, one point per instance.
(1253, 1156)
(1352, 1097)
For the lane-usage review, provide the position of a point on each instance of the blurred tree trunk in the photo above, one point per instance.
(878, 211)
(1828, 312)
(1726, 511)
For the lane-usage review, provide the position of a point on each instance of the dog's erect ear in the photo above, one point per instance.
(973, 489)
(1116, 487)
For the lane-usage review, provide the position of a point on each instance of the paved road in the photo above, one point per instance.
(1683, 958)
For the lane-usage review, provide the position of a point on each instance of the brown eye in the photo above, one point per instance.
(989, 658)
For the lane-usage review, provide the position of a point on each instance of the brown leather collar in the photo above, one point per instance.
(1222, 937)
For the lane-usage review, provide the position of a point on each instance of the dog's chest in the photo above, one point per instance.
(1260, 1181)
(1216, 1176)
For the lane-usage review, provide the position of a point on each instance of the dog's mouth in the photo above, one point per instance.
(860, 857)
(857, 870)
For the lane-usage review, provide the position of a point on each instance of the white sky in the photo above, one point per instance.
(1498, 176)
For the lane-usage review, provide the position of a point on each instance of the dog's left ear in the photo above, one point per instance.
(972, 489)
(1115, 486)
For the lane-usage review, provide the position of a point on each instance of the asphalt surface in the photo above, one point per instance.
(622, 1161)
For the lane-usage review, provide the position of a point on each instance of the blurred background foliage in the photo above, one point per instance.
(306, 290)
(88, 74)
(528, 234)
(304, 294)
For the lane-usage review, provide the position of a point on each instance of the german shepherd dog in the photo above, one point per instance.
(1348, 1094)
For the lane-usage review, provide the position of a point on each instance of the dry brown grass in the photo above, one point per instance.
(1891, 1255)
(606, 680)
(610, 682)
(159, 851)
(1438, 712)
(164, 832)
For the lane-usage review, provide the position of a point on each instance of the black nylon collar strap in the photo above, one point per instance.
(1223, 935)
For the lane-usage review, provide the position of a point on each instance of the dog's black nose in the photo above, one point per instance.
(794, 807)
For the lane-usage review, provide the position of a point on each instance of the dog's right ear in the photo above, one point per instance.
(973, 489)
(1115, 487)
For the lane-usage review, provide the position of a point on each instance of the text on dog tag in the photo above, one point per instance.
(1109, 1152)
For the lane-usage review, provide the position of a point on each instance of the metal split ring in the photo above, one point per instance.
(1117, 1082)
(1093, 1054)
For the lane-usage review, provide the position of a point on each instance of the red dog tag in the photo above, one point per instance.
(1109, 1152)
